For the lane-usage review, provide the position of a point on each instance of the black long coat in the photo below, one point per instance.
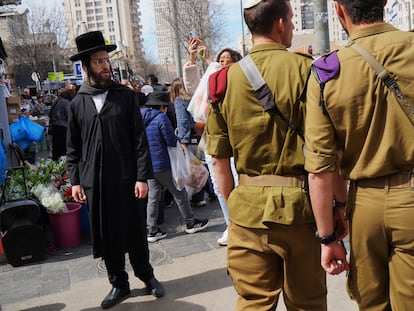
(107, 153)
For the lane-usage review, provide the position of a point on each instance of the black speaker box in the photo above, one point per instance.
(23, 232)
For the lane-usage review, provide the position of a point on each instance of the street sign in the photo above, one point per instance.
(77, 69)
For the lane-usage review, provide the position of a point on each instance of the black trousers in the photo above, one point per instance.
(137, 250)
(58, 141)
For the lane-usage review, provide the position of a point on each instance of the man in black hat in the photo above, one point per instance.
(109, 164)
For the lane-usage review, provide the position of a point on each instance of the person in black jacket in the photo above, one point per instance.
(58, 122)
(109, 164)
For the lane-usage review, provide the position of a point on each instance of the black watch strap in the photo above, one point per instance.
(325, 239)
(339, 204)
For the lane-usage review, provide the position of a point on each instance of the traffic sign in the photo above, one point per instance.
(77, 69)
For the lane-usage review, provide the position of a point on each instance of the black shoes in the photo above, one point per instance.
(115, 296)
(154, 288)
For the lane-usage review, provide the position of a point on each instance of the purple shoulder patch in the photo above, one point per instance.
(327, 67)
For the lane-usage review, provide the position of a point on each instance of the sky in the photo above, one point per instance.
(231, 13)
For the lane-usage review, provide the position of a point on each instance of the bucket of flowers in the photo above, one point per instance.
(54, 193)
(48, 183)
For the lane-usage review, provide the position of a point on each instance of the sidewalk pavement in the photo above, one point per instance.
(192, 269)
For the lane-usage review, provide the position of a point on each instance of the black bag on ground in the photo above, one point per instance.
(22, 228)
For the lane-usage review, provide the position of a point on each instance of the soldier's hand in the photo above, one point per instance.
(333, 258)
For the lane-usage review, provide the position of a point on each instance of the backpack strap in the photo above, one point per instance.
(263, 92)
(150, 120)
(388, 80)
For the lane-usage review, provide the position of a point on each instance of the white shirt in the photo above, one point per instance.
(99, 100)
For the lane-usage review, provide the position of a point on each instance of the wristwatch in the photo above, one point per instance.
(339, 204)
(325, 239)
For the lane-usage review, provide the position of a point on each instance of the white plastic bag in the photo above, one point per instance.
(198, 106)
(179, 166)
(198, 174)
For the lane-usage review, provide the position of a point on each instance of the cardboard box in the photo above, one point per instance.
(13, 117)
(13, 106)
(13, 109)
(14, 100)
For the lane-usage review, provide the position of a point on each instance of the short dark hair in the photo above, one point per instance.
(235, 56)
(261, 17)
(153, 78)
(364, 11)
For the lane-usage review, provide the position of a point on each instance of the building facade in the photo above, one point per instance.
(165, 34)
(119, 21)
(400, 14)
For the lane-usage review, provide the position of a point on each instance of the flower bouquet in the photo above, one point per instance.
(50, 198)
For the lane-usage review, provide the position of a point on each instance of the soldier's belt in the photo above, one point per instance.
(400, 180)
(272, 181)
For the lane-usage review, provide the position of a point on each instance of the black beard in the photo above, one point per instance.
(98, 81)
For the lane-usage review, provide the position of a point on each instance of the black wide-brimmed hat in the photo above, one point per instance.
(90, 42)
(158, 98)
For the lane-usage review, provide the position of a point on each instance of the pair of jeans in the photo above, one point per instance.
(222, 202)
(155, 187)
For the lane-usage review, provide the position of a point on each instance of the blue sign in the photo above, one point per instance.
(77, 69)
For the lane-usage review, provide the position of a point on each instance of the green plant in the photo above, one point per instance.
(46, 175)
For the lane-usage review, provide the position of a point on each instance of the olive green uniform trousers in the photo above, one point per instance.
(262, 262)
(381, 274)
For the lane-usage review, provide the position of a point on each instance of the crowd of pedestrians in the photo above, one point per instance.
(297, 158)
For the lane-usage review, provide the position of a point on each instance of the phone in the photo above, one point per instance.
(192, 36)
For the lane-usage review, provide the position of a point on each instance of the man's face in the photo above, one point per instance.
(289, 26)
(99, 72)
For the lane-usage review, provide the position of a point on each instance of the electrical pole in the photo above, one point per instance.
(320, 12)
(242, 24)
(176, 47)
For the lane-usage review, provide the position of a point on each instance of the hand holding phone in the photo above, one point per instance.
(194, 41)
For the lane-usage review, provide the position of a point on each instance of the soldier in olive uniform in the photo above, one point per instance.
(360, 116)
(271, 244)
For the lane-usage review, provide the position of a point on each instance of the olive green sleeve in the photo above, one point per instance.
(320, 145)
(218, 143)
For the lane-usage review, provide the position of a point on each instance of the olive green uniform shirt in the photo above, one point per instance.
(362, 118)
(258, 140)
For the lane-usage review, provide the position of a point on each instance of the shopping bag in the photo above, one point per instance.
(198, 106)
(25, 131)
(179, 166)
(198, 174)
(34, 130)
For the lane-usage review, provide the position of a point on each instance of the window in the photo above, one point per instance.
(89, 11)
(109, 12)
(78, 16)
(97, 11)
(112, 38)
(77, 3)
(98, 3)
(111, 26)
(108, 1)
(89, 4)
(90, 18)
(99, 17)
